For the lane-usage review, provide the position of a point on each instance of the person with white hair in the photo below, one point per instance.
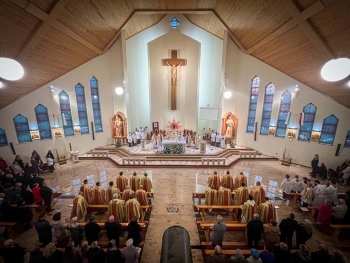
(339, 212)
(254, 229)
(217, 257)
(111, 190)
(237, 257)
(217, 232)
(76, 231)
(116, 208)
(130, 252)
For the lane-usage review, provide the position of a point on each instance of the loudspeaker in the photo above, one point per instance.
(12, 148)
(338, 149)
(255, 128)
(92, 130)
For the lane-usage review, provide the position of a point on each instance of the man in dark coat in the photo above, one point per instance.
(113, 229)
(36, 179)
(287, 228)
(321, 256)
(314, 165)
(92, 230)
(43, 228)
(254, 230)
(46, 194)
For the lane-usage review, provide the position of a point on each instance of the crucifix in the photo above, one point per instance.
(174, 62)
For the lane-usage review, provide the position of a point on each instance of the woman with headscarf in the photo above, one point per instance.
(302, 255)
(237, 257)
(11, 252)
(113, 253)
(130, 252)
(76, 231)
(51, 254)
(303, 232)
(254, 257)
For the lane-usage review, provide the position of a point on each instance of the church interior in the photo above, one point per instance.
(210, 103)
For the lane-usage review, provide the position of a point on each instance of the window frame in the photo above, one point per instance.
(269, 95)
(27, 130)
(81, 107)
(68, 115)
(3, 138)
(96, 105)
(254, 94)
(47, 121)
(284, 108)
(305, 121)
(331, 125)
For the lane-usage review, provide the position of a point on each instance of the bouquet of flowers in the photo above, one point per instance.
(167, 149)
(118, 144)
(178, 149)
(232, 144)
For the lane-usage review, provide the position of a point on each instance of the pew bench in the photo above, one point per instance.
(293, 197)
(313, 213)
(230, 252)
(337, 229)
(143, 225)
(13, 228)
(219, 208)
(201, 196)
(104, 208)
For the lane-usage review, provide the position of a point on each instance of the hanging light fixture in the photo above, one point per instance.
(119, 90)
(227, 94)
(10, 69)
(1, 84)
(336, 69)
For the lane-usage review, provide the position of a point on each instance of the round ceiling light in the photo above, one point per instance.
(336, 69)
(227, 94)
(10, 69)
(119, 90)
(1, 84)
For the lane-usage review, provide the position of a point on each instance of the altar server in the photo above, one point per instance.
(129, 139)
(223, 142)
(218, 139)
(213, 135)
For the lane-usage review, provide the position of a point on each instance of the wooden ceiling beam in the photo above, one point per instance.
(172, 11)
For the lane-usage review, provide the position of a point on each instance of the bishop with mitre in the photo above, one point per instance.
(111, 190)
(214, 180)
(258, 193)
(147, 183)
(266, 211)
(240, 179)
(241, 194)
(79, 207)
(141, 196)
(86, 191)
(227, 179)
(134, 182)
(132, 208)
(116, 208)
(121, 181)
(248, 210)
(224, 196)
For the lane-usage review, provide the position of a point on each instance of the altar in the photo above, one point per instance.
(174, 143)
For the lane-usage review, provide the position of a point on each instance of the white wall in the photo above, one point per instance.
(241, 69)
(107, 70)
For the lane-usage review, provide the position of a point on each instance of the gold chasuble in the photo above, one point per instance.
(307, 195)
(132, 209)
(240, 179)
(79, 207)
(141, 196)
(87, 192)
(147, 184)
(258, 194)
(116, 208)
(121, 182)
(266, 211)
(228, 180)
(248, 210)
(241, 195)
(224, 196)
(111, 190)
(99, 196)
(214, 180)
(126, 194)
(134, 183)
(211, 197)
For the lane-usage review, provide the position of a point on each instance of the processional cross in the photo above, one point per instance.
(174, 62)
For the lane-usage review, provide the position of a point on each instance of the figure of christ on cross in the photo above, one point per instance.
(173, 62)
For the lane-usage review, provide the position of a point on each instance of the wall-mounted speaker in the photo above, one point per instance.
(255, 128)
(92, 130)
(12, 148)
(338, 149)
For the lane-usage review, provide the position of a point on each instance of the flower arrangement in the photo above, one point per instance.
(167, 149)
(232, 144)
(178, 149)
(118, 144)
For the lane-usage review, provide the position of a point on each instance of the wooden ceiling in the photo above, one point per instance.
(52, 37)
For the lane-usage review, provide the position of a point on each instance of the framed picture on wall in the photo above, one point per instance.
(315, 136)
(77, 130)
(35, 135)
(57, 132)
(272, 130)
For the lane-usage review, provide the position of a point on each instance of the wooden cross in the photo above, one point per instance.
(174, 62)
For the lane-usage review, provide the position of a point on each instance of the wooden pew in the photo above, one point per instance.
(201, 196)
(230, 252)
(14, 228)
(313, 213)
(337, 229)
(143, 224)
(36, 210)
(104, 208)
(219, 208)
(293, 197)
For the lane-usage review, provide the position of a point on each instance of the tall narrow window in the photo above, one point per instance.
(3, 138)
(347, 140)
(81, 104)
(42, 118)
(309, 118)
(267, 109)
(329, 128)
(96, 104)
(65, 109)
(286, 99)
(252, 104)
(22, 128)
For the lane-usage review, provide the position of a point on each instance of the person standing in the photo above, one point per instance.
(134, 232)
(86, 191)
(241, 194)
(217, 257)
(50, 162)
(267, 211)
(224, 196)
(12, 252)
(130, 252)
(214, 179)
(325, 213)
(331, 192)
(46, 194)
(43, 227)
(211, 196)
(217, 232)
(314, 165)
(126, 193)
(287, 228)
(116, 208)
(239, 180)
(248, 210)
(76, 231)
(147, 183)
(113, 229)
(212, 137)
(114, 255)
(96, 254)
(129, 139)
(111, 190)
(258, 193)
(218, 139)
(132, 208)
(296, 186)
(60, 230)
(271, 233)
(254, 229)
(286, 186)
(307, 195)
(92, 230)
(121, 181)
(319, 191)
(227, 179)
(134, 182)
(303, 232)
(266, 255)
(99, 195)
(141, 196)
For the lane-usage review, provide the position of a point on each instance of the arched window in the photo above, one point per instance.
(22, 128)
(96, 104)
(65, 109)
(329, 128)
(81, 104)
(252, 104)
(286, 100)
(309, 118)
(3, 138)
(42, 118)
(347, 140)
(267, 109)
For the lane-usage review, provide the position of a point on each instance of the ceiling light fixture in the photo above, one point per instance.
(10, 69)
(227, 94)
(349, 83)
(119, 90)
(1, 84)
(336, 69)
(174, 23)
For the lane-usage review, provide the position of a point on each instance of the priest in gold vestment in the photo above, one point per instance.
(258, 193)
(241, 194)
(266, 211)
(87, 191)
(127, 192)
(121, 182)
(214, 180)
(116, 208)
(211, 196)
(99, 195)
(141, 196)
(79, 207)
(307, 195)
(240, 179)
(111, 190)
(248, 210)
(132, 208)
(147, 183)
(224, 196)
(134, 182)
(228, 180)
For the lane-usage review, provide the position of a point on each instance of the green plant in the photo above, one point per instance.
(167, 149)
(232, 144)
(118, 144)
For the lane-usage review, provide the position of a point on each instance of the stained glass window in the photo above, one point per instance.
(22, 128)
(96, 104)
(252, 104)
(82, 113)
(286, 100)
(42, 118)
(347, 140)
(267, 109)
(65, 109)
(3, 138)
(309, 118)
(329, 128)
